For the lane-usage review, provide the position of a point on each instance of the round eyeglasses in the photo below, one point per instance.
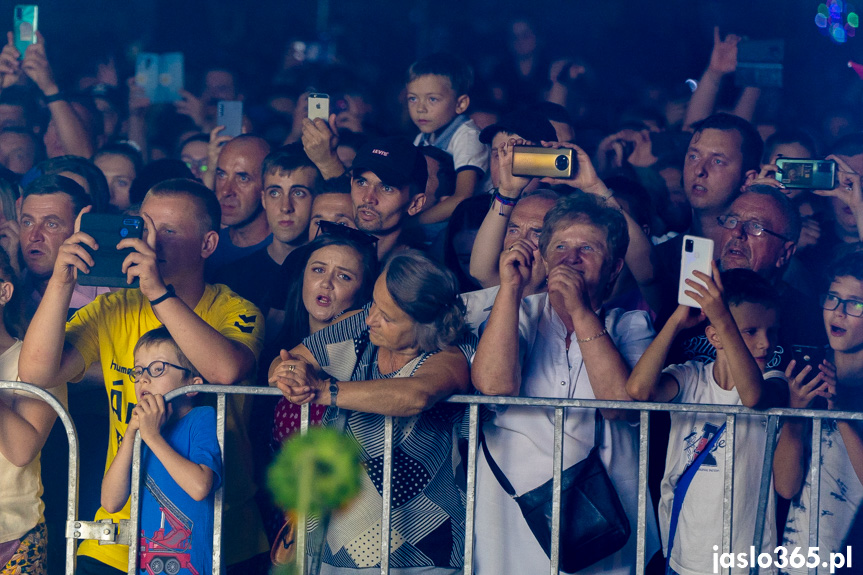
(155, 369)
(750, 227)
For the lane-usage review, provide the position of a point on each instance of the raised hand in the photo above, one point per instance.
(37, 67)
(142, 263)
(802, 392)
(723, 59)
(510, 186)
(517, 263)
(10, 63)
(192, 106)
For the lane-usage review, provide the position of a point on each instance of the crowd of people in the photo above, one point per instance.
(372, 271)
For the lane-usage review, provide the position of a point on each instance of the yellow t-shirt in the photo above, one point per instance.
(107, 330)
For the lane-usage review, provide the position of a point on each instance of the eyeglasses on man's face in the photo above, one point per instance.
(750, 227)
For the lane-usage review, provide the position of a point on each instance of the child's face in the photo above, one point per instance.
(171, 377)
(759, 326)
(845, 332)
(432, 102)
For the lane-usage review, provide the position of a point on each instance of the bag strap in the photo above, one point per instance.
(499, 475)
(680, 491)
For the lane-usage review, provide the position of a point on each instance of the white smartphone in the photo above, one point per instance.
(697, 254)
(319, 107)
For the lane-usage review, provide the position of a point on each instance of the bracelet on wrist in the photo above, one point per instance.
(603, 333)
(59, 96)
(496, 196)
(167, 295)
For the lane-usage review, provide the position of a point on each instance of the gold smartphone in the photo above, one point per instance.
(539, 162)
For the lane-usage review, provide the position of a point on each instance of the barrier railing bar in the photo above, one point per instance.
(74, 462)
(386, 513)
(728, 497)
(641, 524)
(815, 491)
(470, 487)
(219, 496)
(300, 535)
(556, 472)
(133, 522)
(766, 484)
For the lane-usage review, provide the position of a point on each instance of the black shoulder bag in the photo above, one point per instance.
(593, 524)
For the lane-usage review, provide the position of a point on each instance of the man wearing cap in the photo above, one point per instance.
(524, 219)
(387, 188)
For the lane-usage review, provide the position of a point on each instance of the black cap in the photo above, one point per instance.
(528, 124)
(396, 161)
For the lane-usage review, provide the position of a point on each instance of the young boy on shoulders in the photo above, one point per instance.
(437, 94)
(841, 462)
(743, 315)
(180, 459)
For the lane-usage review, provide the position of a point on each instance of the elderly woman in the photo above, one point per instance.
(560, 344)
(408, 334)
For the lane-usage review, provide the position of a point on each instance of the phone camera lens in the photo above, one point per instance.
(124, 232)
(690, 245)
(561, 163)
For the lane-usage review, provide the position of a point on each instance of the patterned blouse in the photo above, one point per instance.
(428, 505)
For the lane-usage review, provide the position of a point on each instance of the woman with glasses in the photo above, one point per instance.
(396, 356)
(841, 463)
(25, 422)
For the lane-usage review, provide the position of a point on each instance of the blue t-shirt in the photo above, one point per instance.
(176, 529)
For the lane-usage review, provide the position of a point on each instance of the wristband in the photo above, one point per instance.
(334, 391)
(593, 337)
(167, 295)
(504, 201)
(58, 97)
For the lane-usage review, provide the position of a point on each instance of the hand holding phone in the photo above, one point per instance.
(319, 107)
(697, 255)
(26, 18)
(807, 173)
(540, 162)
(108, 230)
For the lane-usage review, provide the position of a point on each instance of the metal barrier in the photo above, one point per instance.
(72, 488)
(474, 401)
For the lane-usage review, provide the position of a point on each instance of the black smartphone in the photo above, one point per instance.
(807, 174)
(108, 230)
(808, 355)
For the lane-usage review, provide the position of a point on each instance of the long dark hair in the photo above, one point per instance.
(296, 326)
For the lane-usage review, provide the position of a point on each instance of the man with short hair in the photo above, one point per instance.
(290, 179)
(48, 208)
(218, 331)
(388, 188)
(239, 184)
(17, 150)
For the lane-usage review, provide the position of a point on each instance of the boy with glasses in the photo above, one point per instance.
(180, 461)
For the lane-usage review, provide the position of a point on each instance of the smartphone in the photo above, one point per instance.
(808, 355)
(759, 63)
(809, 174)
(171, 71)
(230, 115)
(697, 254)
(539, 162)
(108, 230)
(147, 73)
(319, 107)
(25, 26)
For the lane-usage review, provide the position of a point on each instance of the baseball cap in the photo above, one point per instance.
(528, 124)
(396, 161)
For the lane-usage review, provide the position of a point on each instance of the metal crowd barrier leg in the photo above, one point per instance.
(300, 533)
(557, 472)
(766, 485)
(470, 488)
(815, 491)
(386, 512)
(73, 467)
(728, 498)
(219, 497)
(641, 525)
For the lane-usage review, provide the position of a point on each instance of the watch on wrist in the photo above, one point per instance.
(334, 391)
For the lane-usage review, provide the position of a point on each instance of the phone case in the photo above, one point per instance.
(108, 230)
(230, 115)
(26, 24)
(535, 161)
(170, 77)
(699, 258)
(319, 107)
(147, 74)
